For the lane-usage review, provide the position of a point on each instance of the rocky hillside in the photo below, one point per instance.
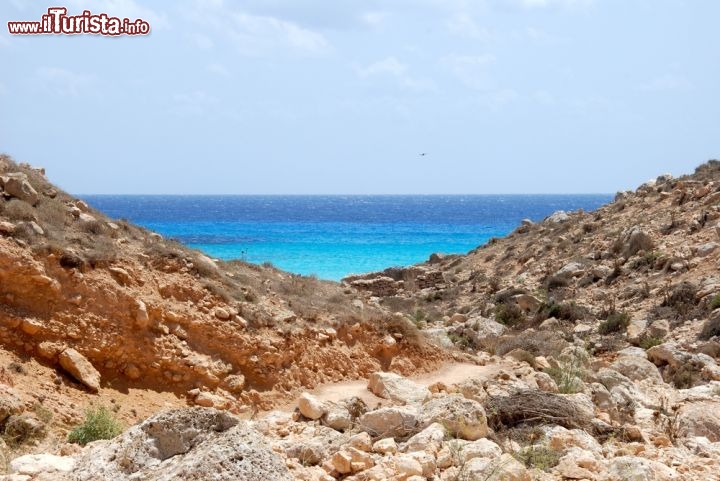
(93, 309)
(582, 347)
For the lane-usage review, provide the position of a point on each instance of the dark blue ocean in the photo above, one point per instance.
(333, 236)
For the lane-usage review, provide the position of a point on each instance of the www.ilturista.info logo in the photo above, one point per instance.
(58, 22)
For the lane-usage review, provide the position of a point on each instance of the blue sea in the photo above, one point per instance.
(333, 236)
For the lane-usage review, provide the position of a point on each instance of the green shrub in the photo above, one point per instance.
(616, 321)
(99, 424)
(509, 314)
(646, 342)
(540, 457)
(715, 302)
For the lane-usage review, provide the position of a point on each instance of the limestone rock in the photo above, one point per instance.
(337, 417)
(390, 421)
(637, 368)
(700, 419)
(482, 448)
(141, 315)
(389, 385)
(311, 407)
(80, 368)
(16, 185)
(705, 250)
(429, 439)
(632, 468)
(195, 443)
(7, 228)
(33, 464)
(505, 468)
(463, 417)
(385, 445)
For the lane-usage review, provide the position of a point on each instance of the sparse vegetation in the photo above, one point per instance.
(99, 423)
(538, 456)
(616, 321)
(710, 329)
(569, 374)
(509, 314)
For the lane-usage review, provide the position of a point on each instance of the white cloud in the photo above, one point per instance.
(498, 99)
(666, 82)
(254, 32)
(63, 82)
(201, 41)
(571, 4)
(463, 25)
(375, 20)
(389, 66)
(218, 69)
(393, 68)
(120, 8)
(256, 35)
(193, 103)
(472, 70)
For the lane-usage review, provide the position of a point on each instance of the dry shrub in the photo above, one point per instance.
(530, 407)
(102, 254)
(710, 329)
(52, 213)
(680, 304)
(542, 343)
(402, 325)
(94, 227)
(556, 282)
(19, 210)
(568, 311)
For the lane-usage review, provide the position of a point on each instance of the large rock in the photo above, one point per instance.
(80, 368)
(462, 417)
(429, 439)
(33, 464)
(390, 421)
(389, 385)
(637, 368)
(502, 468)
(16, 185)
(700, 419)
(196, 443)
(630, 468)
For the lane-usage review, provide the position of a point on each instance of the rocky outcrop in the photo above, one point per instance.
(16, 184)
(196, 443)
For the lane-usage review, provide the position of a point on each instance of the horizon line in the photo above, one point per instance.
(346, 195)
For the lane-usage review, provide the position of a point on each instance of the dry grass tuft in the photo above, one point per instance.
(529, 407)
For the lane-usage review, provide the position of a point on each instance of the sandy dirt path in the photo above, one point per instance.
(451, 373)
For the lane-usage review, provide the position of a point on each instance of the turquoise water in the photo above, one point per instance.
(333, 236)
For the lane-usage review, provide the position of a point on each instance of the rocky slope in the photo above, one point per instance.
(594, 339)
(93, 308)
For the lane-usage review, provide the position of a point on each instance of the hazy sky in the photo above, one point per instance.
(333, 96)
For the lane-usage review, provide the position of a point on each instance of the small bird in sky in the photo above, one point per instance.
(423, 154)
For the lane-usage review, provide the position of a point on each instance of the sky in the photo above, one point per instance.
(342, 96)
